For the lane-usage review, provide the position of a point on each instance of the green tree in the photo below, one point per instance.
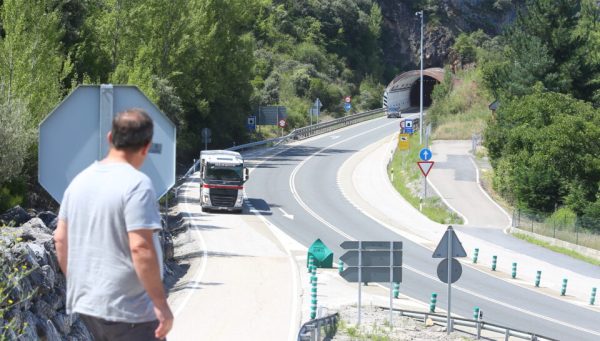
(545, 148)
(32, 65)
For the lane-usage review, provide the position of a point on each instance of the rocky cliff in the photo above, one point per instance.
(444, 20)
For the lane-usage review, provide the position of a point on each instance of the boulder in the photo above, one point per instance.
(47, 217)
(15, 216)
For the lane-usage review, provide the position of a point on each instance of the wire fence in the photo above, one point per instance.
(577, 230)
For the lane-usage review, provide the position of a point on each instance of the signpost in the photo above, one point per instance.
(425, 165)
(206, 134)
(74, 135)
(408, 126)
(316, 108)
(347, 107)
(251, 123)
(372, 261)
(403, 142)
(448, 248)
(271, 114)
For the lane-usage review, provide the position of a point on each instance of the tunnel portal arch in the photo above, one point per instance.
(403, 91)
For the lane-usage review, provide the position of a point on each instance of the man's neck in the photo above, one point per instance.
(119, 156)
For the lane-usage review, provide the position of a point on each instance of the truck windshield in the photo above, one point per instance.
(224, 173)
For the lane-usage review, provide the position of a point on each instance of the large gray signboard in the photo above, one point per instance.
(270, 115)
(73, 136)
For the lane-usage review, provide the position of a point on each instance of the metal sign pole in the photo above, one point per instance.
(391, 282)
(359, 278)
(449, 321)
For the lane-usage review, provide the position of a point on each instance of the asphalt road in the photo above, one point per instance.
(297, 191)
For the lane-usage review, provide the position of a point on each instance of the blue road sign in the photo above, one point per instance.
(347, 107)
(251, 123)
(425, 154)
(408, 126)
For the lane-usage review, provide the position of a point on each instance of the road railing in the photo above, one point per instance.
(311, 330)
(478, 325)
(301, 133)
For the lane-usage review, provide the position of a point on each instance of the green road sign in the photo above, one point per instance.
(323, 256)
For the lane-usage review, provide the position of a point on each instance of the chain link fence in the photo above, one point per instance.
(576, 230)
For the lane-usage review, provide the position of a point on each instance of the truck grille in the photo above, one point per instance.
(223, 197)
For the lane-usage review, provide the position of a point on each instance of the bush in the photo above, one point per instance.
(15, 138)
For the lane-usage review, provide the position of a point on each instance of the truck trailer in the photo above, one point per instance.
(222, 178)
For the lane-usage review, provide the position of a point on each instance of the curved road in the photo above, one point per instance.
(298, 191)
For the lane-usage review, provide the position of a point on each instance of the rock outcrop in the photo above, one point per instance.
(444, 20)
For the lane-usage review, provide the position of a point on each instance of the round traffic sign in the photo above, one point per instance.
(442, 270)
(348, 99)
(425, 154)
(282, 123)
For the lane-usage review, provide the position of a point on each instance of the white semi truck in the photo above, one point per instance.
(222, 177)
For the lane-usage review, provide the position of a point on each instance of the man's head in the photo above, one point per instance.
(131, 135)
(132, 130)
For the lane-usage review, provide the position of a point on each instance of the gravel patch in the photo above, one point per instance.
(375, 326)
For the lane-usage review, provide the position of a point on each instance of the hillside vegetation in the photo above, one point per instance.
(544, 140)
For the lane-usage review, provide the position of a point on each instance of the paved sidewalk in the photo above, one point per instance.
(364, 181)
(239, 280)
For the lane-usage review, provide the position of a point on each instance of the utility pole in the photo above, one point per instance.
(420, 13)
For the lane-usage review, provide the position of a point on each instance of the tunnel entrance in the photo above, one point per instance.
(428, 84)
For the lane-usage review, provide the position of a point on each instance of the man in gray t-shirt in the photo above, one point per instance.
(107, 244)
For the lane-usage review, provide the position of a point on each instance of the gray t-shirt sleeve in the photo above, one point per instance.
(62, 212)
(141, 211)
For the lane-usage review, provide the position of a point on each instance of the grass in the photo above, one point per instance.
(407, 181)
(463, 112)
(558, 249)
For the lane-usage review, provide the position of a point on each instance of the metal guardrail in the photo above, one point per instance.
(478, 325)
(301, 133)
(311, 330)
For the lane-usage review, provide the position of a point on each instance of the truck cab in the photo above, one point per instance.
(222, 178)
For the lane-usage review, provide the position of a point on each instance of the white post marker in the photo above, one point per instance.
(359, 278)
(391, 284)
(449, 318)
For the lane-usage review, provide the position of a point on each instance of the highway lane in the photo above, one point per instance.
(334, 219)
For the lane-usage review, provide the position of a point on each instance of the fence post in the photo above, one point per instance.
(593, 296)
(538, 277)
(514, 270)
(563, 289)
(494, 262)
(475, 255)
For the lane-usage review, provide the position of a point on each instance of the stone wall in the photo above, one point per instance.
(32, 286)
(33, 302)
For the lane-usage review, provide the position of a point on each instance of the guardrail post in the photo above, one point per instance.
(313, 299)
(433, 302)
(514, 270)
(477, 321)
(494, 262)
(311, 262)
(396, 290)
(475, 255)
(563, 289)
(340, 266)
(538, 277)
(593, 296)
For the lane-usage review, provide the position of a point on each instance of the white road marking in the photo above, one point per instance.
(335, 137)
(200, 272)
(347, 236)
(286, 215)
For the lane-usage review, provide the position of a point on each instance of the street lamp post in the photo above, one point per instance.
(421, 123)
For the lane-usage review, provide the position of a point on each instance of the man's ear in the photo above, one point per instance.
(146, 148)
(109, 137)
